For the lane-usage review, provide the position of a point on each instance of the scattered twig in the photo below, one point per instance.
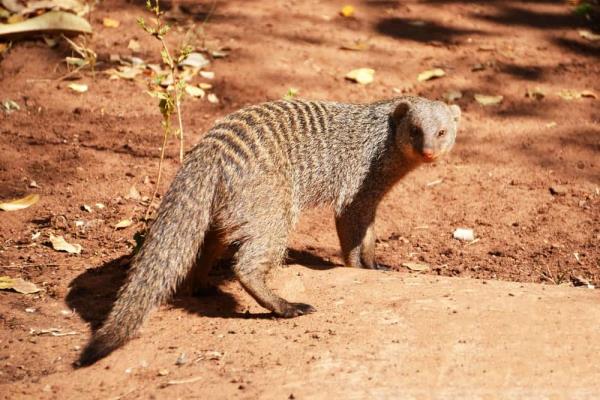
(51, 331)
(183, 381)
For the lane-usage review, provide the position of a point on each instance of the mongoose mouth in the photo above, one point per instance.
(428, 155)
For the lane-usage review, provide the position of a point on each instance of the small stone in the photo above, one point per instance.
(181, 360)
(464, 234)
(163, 372)
(558, 190)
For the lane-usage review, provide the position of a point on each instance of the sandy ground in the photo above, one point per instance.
(375, 334)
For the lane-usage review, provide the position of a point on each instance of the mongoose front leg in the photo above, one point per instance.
(357, 235)
(367, 248)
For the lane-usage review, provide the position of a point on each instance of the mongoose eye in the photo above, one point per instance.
(441, 133)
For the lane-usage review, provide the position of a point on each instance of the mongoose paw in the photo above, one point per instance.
(291, 310)
(381, 267)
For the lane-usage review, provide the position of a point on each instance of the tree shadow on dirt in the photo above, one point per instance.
(576, 145)
(93, 293)
(421, 30)
(498, 12)
(510, 15)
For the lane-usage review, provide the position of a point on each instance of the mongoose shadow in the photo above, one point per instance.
(93, 293)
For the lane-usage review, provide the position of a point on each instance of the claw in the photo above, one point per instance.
(381, 267)
(292, 310)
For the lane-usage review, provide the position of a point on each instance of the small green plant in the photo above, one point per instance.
(557, 278)
(291, 94)
(87, 56)
(583, 9)
(169, 98)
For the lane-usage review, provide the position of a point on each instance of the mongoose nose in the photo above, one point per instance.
(428, 154)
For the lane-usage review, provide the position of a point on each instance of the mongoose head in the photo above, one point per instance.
(425, 129)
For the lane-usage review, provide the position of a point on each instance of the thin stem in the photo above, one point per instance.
(160, 163)
(173, 68)
(178, 108)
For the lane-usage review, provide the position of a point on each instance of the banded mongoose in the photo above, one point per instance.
(249, 177)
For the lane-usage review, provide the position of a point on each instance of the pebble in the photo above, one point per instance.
(464, 234)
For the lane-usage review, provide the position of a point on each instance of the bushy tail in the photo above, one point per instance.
(165, 258)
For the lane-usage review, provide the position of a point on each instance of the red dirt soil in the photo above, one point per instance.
(93, 147)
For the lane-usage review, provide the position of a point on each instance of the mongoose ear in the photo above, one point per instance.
(400, 111)
(455, 112)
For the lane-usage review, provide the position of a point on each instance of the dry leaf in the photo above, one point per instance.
(188, 74)
(75, 61)
(413, 266)
(195, 60)
(134, 45)
(358, 45)
(573, 94)
(53, 21)
(364, 76)
(123, 224)
(588, 93)
(133, 194)
(15, 18)
(453, 95)
(10, 105)
(60, 244)
(13, 6)
(488, 100)
(486, 47)
(207, 74)
(212, 98)
(128, 73)
(78, 87)
(18, 285)
(110, 23)
(536, 93)
(477, 67)
(569, 94)
(20, 204)
(589, 35)
(194, 91)
(50, 41)
(219, 54)
(430, 74)
(74, 6)
(347, 11)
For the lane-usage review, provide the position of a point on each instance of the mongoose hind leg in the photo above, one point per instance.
(197, 283)
(355, 228)
(255, 258)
